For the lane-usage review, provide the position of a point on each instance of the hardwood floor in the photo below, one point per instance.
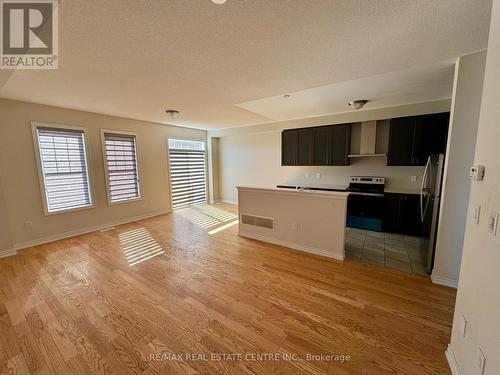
(84, 305)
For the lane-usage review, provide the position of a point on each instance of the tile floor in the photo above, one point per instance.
(386, 249)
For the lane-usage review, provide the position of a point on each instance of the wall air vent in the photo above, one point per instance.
(257, 221)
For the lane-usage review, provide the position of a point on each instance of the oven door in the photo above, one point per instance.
(365, 211)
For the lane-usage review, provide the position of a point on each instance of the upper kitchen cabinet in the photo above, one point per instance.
(332, 144)
(289, 147)
(401, 141)
(341, 144)
(306, 146)
(297, 147)
(431, 136)
(322, 145)
(413, 139)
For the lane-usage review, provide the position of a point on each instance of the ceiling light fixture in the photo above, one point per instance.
(286, 96)
(172, 113)
(358, 104)
(219, 1)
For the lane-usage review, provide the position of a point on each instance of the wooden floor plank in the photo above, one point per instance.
(77, 306)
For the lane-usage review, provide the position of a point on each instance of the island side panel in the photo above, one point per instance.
(302, 220)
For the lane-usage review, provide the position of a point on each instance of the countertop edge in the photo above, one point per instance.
(292, 191)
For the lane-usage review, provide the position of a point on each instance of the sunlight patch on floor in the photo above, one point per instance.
(225, 226)
(208, 217)
(139, 245)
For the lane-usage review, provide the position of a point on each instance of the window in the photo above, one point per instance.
(63, 167)
(187, 172)
(120, 158)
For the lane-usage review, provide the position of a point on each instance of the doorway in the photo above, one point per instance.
(187, 160)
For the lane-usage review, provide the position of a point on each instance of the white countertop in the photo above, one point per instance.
(288, 190)
(317, 186)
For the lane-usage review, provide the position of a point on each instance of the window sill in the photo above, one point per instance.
(52, 213)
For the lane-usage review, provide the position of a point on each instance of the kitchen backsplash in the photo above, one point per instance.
(396, 177)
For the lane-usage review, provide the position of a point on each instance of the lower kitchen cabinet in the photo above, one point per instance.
(402, 214)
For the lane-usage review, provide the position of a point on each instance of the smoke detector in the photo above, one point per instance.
(358, 104)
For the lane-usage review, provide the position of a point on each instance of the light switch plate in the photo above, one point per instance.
(477, 172)
(493, 223)
(481, 361)
(476, 212)
(413, 178)
(463, 326)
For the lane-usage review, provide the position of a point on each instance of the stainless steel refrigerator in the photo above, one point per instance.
(430, 196)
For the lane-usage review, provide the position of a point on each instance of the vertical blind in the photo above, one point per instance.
(187, 172)
(64, 168)
(121, 164)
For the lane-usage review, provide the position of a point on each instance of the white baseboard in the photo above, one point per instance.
(7, 253)
(452, 361)
(227, 201)
(61, 236)
(293, 245)
(436, 279)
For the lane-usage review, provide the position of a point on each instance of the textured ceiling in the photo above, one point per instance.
(415, 85)
(135, 58)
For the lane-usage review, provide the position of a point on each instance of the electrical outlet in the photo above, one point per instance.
(308, 175)
(476, 212)
(318, 175)
(481, 361)
(413, 178)
(28, 224)
(493, 223)
(294, 227)
(463, 325)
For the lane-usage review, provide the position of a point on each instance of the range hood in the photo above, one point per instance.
(367, 141)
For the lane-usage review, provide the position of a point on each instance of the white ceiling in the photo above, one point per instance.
(136, 58)
(414, 85)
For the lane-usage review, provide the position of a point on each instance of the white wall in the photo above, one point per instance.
(213, 169)
(466, 104)
(21, 186)
(478, 297)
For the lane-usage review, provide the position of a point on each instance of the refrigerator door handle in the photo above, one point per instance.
(422, 189)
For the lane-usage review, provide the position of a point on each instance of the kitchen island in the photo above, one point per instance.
(308, 220)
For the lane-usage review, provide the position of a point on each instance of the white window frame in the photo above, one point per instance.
(106, 174)
(41, 178)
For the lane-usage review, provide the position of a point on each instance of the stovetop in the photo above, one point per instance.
(366, 184)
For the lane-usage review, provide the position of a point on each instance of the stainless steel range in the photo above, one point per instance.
(365, 204)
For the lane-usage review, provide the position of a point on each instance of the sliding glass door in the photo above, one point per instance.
(187, 172)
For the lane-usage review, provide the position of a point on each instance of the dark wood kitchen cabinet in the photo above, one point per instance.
(402, 214)
(401, 141)
(297, 147)
(413, 139)
(322, 145)
(431, 136)
(341, 144)
(306, 146)
(289, 147)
